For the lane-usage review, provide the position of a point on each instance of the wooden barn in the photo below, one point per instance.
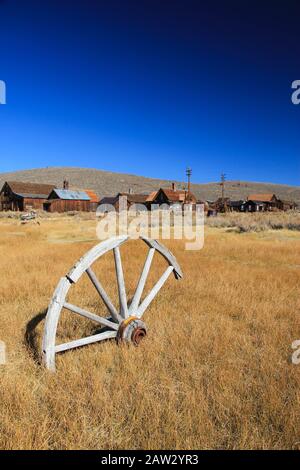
(94, 198)
(65, 200)
(18, 196)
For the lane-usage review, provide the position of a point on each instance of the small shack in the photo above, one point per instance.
(20, 196)
(64, 200)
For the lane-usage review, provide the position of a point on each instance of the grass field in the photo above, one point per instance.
(213, 372)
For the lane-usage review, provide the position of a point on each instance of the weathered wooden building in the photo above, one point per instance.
(94, 198)
(286, 205)
(171, 196)
(109, 202)
(167, 196)
(65, 200)
(237, 206)
(262, 202)
(19, 196)
(255, 206)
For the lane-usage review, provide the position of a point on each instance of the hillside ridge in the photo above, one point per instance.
(107, 183)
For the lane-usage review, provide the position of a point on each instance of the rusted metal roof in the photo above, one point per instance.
(135, 198)
(172, 195)
(261, 197)
(92, 195)
(33, 190)
(151, 196)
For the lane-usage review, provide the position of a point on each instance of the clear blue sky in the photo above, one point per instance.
(148, 87)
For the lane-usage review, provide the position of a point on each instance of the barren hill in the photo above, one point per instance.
(107, 183)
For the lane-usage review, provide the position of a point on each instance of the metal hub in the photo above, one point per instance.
(132, 330)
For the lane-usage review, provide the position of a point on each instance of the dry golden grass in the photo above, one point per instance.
(257, 221)
(214, 371)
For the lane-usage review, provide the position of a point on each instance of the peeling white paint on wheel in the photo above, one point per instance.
(122, 324)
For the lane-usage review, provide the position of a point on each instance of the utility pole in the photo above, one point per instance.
(189, 174)
(222, 184)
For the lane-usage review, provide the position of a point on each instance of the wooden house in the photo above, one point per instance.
(109, 202)
(134, 198)
(254, 206)
(65, 200)
(94, 198)
(171, 196)
(19, 196)
(263, 202)
(237, 206)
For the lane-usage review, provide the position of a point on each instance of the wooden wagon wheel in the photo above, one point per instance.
(125, 324)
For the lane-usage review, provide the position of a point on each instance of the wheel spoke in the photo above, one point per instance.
(142, 281)
(121, 283)
(83, 341)
(91, 316)
(104, 295)
(146, 302)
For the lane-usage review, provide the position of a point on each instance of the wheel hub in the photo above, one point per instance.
(132, 330)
